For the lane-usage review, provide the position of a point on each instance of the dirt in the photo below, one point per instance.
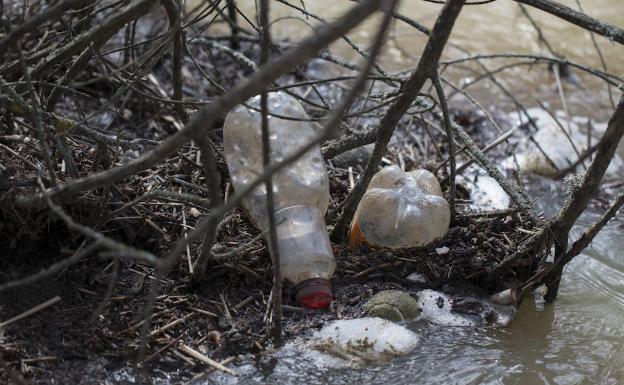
(66, 342)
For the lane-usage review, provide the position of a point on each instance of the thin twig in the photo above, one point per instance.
(275, 329)
(30, 312)
(451, 140)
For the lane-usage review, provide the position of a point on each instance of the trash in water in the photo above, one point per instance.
(417, 278)
(487, 194)
(441, 309)
(557, 150)
(393, 305)
(301, 191)
(363, 341)
(401, 210)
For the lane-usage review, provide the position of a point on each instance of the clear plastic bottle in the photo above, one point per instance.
(401, 210)
(301, 191)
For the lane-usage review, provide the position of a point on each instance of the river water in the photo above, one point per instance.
(577, 340)
(493, 28)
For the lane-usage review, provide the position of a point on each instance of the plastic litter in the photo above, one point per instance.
(401, 210)
(393, 305)
(301, 191)
(556, 145)
(368, 340)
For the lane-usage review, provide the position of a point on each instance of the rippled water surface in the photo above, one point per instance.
(577, 340)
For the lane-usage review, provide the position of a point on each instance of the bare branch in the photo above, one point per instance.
(578, 18)
(204, 118)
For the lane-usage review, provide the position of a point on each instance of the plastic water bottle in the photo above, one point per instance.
(401, 210)
(301, 191)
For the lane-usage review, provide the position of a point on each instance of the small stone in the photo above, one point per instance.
(393, 305)
(195, 212)
(442, 250)
(416, 278)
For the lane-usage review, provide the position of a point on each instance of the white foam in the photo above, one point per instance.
(487, 194)
(355, 342)
(378, 335)
(556, 144)
(436, 308)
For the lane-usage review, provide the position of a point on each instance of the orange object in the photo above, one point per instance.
(356, 238)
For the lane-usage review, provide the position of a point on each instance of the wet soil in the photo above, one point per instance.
(94, 330)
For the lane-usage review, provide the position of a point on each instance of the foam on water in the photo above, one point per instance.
(555, 146)
(487, 194)
(379, 335)
(357, 342)
(436, 308)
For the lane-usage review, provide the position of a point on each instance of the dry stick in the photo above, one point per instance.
(584, 240)
(36, 117)
(174, 195)
(216, 200)
(578, 246)
(544, 154)
(451, 142)
(565, 132)
(8, 371)
(353, 141)
(167, 346)
(608, 77)
(520, 195)
(576, 204)
(345, 38)
(189, 260)
(78, 65)
(202, 376)
(110, 289)
(205, 118)
(540, 34)
(517, 193)
(16, 106)
(600, 55)
(170, 325)
(557, 71)
(233, 15)
(275, 329)
(30, 312)
(578, 18)
(476, 103)
(175, 20)
(297, 71)
(121, 248)
(200, 357)
(36, 113)
(572, 167)
(20, 156)
(502, 138)
(241, 58)
(427, 67)
(52, 13)
(51, 270)
(97, 36)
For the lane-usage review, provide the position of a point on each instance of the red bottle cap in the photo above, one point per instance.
(314, 293)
